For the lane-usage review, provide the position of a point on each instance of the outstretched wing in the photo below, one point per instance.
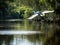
(42, 15)
(48, 11)
(33, 16)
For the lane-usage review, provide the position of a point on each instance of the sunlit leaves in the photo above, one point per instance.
(27, 6)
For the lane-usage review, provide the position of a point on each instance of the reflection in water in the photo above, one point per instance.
(19, 40)
(11, 32)
(55, 38)
(5, 39)
(32, 39)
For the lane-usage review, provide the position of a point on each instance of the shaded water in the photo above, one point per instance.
(24, 39)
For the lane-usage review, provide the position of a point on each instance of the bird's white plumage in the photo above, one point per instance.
(43, 14)
(33, 16)
(48, 11)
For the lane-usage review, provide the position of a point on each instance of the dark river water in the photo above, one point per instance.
(25, 37)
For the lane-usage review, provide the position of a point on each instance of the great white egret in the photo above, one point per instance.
(40, 13)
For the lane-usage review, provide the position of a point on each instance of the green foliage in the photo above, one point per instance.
(24, 8)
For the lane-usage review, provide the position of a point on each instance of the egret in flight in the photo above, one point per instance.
(40, 13)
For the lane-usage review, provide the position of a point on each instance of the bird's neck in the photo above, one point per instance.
(42, 14)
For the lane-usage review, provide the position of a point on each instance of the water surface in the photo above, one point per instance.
(26, 32)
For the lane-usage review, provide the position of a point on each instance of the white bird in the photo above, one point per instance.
(33, 16)
(40, 13)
